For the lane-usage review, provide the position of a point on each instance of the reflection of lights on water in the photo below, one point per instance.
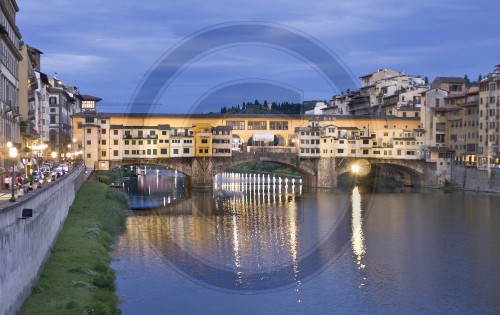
(164, 201)
(358, 240)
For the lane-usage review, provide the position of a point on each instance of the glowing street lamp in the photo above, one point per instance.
(53, 155)
(355, 168)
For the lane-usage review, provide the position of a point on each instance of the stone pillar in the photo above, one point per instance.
(326, 173)
(201, 173)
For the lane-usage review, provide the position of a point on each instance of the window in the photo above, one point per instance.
(126, 152)
(164, 133)
(257, 125)
(53, 119)
(115, 132)
(89, 120)
(340, 150)
(365, 152)
(152, 133)
(115, 142)
(89, 130)
(134, 142)
(89, 155)
(155, 152)
(140, 133)
(79, 125)
(149, 141)
(206, 150)
(236, 125)
(89, 142)
(103, 153)
(149, 151)
(141, 142)
(440, 127)
(176, 151)
(103, 131)
(204, 141)
(103, 142)
(278, 125)
(103, 122)
(52, 101)
(186, 150)
(200, 151)
(127, 142)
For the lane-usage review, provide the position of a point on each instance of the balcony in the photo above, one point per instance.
(28, 131)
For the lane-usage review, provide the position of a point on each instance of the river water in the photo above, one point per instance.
(260, 246)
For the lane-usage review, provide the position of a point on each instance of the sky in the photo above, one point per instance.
(122, 51)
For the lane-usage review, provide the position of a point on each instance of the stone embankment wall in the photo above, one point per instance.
(469, 178)
(25, 244)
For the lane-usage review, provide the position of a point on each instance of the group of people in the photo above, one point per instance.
(18, 184)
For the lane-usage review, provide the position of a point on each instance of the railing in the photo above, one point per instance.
(271, 149)
(28, 131)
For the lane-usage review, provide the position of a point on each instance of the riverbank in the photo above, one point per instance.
(77, 278)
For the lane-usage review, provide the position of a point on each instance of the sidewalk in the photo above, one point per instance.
(5, 195)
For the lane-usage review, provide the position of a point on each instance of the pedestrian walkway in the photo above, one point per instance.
(5, 195)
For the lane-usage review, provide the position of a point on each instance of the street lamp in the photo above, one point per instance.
(13, 155)
(53, 155)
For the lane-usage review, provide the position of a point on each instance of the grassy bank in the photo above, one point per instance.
(109, 177)
(77, 278)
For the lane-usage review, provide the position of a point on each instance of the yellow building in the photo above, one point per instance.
(202, 139)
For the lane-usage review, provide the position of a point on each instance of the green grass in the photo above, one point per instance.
(109, 177)
(77, 278)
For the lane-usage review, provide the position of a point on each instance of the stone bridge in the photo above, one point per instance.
(316, 172)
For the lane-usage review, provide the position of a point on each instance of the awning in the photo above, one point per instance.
(263, 137)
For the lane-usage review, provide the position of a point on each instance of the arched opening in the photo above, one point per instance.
(382, 177)
(237, 144)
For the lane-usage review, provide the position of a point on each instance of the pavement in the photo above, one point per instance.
(5, 195)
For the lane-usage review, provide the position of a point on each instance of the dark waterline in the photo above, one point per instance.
(264, 249)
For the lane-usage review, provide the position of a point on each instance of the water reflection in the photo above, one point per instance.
(358, 239)
(250, 233)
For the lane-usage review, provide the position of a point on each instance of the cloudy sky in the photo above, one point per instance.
(109, 48)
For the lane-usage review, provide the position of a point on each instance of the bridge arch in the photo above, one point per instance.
(408, 173)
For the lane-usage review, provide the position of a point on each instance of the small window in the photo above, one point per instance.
(115, 142)
(89, 142)
(164, 133)
(103, 131)
(103, 122)
(186, 150)
(163, 151)
(89, 130)
(103, 142)
(115, 132)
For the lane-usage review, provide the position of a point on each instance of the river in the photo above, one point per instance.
(260, 246)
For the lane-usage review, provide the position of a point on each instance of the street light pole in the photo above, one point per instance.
(13, 155)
